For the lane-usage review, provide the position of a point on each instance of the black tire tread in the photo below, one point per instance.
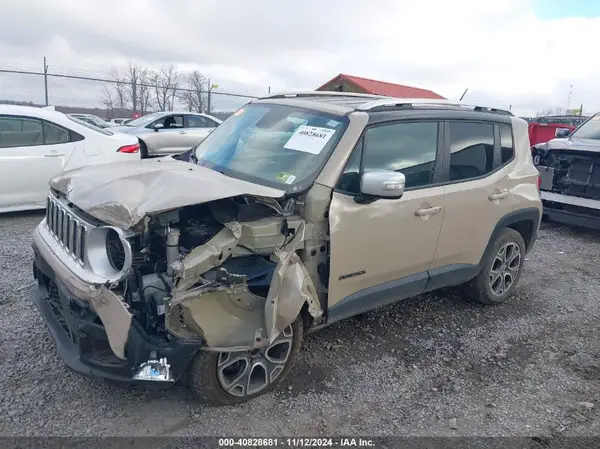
(477, 289)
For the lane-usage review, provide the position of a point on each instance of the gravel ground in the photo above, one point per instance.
(434, 365)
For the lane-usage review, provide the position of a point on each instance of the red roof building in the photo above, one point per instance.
(348, 83)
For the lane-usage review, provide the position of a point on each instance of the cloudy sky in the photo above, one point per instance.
(524, 53)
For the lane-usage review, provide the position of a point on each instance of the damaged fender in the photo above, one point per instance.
(231, 318)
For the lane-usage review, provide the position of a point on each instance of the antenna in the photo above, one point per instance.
(463, 95)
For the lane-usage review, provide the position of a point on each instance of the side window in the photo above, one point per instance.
(20, 132)
(55, 134)
(409, 148)
(506, 144)
(471, 150)
(171, 121)
(197, 121)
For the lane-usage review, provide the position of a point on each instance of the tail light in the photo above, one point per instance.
(135, 148)
(539, 182)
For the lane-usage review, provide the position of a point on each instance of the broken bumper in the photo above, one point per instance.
(81, 340)
(571, 210)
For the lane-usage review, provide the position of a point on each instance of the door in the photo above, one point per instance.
(31, 153)
(382, 248)
(197, 128)
(477, 192)
(171, 138)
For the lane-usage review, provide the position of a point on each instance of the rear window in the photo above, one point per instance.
(90, 126)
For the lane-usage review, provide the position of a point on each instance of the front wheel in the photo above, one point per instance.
(501, 270)
(228, 378)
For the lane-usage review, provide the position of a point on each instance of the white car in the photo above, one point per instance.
(37, 144)
(118, 121)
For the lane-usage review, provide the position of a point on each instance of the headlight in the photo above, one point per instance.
(109, 253)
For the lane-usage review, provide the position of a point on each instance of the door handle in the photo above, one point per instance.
(182, 132)
(428, 211)
(54, 154)
(498, 195)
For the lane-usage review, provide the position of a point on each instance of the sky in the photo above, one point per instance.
(524, 54)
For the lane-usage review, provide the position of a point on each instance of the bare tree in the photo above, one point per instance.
(165, 83)
(108, 100)
(119, 99)
(145, 99)
(195, 95)
(551, 111)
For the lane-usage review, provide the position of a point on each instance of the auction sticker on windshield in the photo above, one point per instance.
(309, 139)
(285, 177)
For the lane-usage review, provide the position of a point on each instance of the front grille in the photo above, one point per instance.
(67, 229)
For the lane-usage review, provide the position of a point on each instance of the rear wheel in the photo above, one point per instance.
(228, 378)
(501, 270)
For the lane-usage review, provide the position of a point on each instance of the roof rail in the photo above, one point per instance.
(412, 103)
(318, 93)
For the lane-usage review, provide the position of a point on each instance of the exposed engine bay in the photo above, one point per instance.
(574, 173)
(207, 272)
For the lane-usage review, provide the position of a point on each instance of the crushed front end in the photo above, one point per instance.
(570, 183)
(136, 305)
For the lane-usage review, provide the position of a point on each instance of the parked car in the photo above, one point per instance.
(164, 133)
(118, 121)
(570, 174)
(92, 119)
(37, 144)
(298, 211)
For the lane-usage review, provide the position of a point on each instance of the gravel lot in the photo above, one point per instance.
(433, 365)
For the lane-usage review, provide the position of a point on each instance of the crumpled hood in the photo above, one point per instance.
(573, 144)
(122, 194)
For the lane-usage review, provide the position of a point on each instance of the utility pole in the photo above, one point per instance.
(45, 81)
(209, 91)
(210, 88)
(569, 101)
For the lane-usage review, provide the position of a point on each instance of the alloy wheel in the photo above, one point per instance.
(505, 268)
(245, 373)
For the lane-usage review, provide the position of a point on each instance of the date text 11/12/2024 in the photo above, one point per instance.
(296, 442)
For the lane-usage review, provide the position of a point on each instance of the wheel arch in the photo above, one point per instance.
(143, 147)
(525, 221)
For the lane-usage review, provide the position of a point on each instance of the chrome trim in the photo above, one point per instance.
(67, 234)
(82, 273)
(68, 229)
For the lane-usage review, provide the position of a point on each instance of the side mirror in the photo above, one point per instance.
(383, 183)
(158, 126)
(562, 133)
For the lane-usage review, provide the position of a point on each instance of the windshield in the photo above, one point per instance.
(144, 120)
(274, 145)
(589, 130)
(89, 125)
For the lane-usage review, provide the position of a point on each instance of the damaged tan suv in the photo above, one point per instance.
(298, 211)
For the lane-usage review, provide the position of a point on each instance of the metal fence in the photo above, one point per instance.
(109, 98)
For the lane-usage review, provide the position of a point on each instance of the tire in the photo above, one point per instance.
(484, 288)
(205, 376)
(143, 150)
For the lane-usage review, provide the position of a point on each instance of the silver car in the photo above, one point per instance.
(164, 133)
